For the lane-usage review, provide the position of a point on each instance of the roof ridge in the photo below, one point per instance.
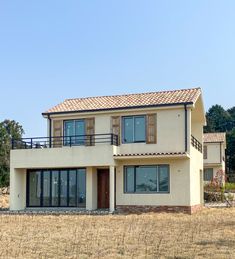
(131, 94)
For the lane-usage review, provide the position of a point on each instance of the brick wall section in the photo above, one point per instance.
(145, 209)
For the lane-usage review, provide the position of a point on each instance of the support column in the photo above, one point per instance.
(111, 188)
(91, 188)
(17, 189)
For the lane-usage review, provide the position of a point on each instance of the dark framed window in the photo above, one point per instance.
(74, 131)
(134, 129)
(208, 174)
(147, 179)
(56, 188)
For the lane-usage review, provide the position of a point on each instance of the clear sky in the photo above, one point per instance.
(55, 49)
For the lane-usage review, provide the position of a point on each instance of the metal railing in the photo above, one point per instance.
(70, 141)
(196, 144)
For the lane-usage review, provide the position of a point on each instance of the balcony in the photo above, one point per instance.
(65, 141)
(196, 144)
(64, 152)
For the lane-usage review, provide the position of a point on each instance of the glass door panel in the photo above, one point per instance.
(68, 132)
(72, 188)
(80, 132)
(46, 188)
(81, 188)
(63, 188)
(34, 188)
(55, 188)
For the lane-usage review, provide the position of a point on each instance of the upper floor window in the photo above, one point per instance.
(74, 132)
(134, 129)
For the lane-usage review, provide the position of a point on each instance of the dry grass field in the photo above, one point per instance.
(4, 201)
(207, 234)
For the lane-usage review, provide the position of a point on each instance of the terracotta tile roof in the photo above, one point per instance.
(127, 101)
(152, 154)
(214, 137)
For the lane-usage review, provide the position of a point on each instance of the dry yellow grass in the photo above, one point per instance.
(207, 234)
(4, 201)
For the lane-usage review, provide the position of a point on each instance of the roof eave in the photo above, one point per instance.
(45, 114)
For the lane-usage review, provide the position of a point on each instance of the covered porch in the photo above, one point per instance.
(88, 188)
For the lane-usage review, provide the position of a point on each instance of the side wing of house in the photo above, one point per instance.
(213, 154)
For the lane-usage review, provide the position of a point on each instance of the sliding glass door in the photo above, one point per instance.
(56, 188)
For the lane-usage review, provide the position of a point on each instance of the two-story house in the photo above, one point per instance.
(214, 146)
(134, 152)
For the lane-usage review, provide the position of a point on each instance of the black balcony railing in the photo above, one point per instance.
(196, 144)
(70, 141)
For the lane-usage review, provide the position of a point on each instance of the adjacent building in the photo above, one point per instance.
(213, 154)
(133, 152)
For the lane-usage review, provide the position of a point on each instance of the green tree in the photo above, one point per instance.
(218, 120)
(231, 149)
(8, 129)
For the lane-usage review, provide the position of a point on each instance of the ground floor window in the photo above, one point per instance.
(56, 188)
(146, 179)
(208, 174)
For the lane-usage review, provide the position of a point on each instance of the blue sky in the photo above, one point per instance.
(52, 50)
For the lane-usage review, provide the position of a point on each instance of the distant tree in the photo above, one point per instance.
(231, 111)
(231, 149)
(218, 120)
(8, 129)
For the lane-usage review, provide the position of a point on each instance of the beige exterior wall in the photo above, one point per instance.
(170, 129)
(82, 156)
(213, 153)
(196, 177)
(91, 188)
(18, 189)
(179, 185)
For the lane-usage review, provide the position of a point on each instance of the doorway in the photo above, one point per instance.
(103, 188)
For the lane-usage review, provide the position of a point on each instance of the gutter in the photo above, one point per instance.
(49, 118)
(185, 128)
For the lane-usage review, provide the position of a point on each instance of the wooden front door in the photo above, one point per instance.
(103, 188)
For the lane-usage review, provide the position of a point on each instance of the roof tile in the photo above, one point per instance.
(214, 137)
(127, 101)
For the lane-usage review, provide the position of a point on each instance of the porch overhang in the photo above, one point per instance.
(152, 155)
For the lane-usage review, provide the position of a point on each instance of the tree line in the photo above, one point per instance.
(218, 120)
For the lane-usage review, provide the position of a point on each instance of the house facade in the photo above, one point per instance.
(213, 154)
(135, 152)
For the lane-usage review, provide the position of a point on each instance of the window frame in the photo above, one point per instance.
(74, 139)
(211, 170)
(41, 203)
(148, 192)
(133, 117)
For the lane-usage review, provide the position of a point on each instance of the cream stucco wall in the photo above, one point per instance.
(170, 128)
(179, 185)
(196, 177)
(91, 188)
(17, 189)
(81, 156)
(213, 153)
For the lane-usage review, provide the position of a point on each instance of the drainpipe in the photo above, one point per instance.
(186, 127)
(49, 118)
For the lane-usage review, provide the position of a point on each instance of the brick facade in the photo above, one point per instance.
(145, 209)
